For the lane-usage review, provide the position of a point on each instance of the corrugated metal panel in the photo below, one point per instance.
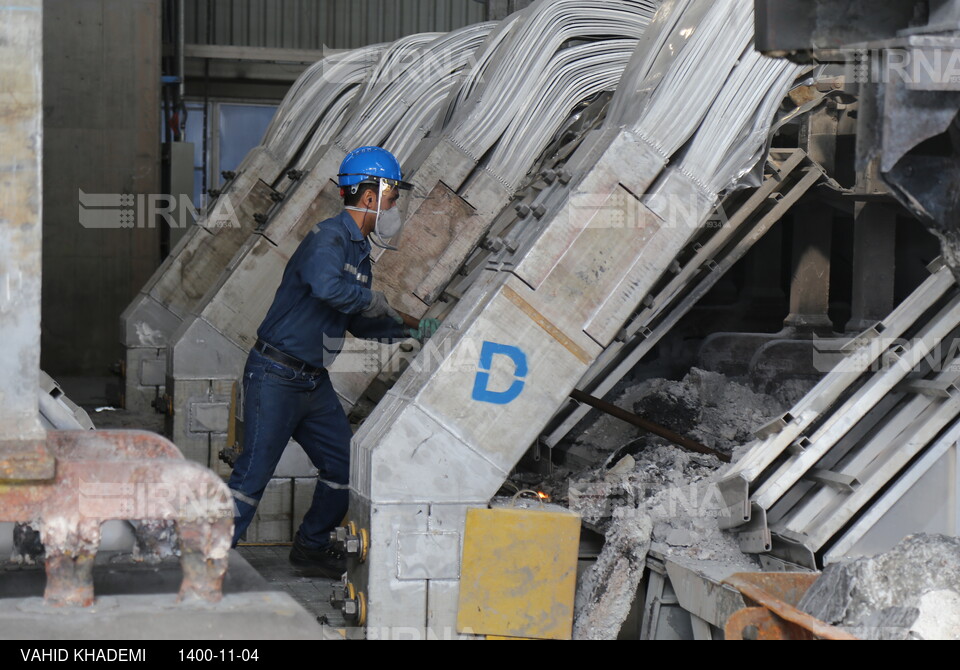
(500, 9)
(313, 24)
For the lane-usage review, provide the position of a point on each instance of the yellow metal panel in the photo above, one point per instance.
(519, 573)
(504, 637)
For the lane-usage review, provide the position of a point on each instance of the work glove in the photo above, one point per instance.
(427, 328)
(379, 307)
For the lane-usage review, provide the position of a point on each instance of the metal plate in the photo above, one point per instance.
(430, 555)
(519, 573)
(431, 247)
(153, 371)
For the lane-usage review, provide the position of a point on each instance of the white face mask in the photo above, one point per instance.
(388, 223)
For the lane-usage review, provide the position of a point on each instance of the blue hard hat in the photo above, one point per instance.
(368, 165)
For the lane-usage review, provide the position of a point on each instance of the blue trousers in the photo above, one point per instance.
(280, 403)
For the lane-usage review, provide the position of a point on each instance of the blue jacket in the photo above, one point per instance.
(325, 287)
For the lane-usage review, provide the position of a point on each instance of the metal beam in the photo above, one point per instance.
(255, 54)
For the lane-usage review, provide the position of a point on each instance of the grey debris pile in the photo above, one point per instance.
(939, 617)
(641, 480)
(645, 494)
(705, 406)
(662, 498)
(791, 391)
(728, 412)
(606, 591)
(910, 592)
(675, 488)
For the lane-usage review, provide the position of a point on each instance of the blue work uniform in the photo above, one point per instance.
(325, 286)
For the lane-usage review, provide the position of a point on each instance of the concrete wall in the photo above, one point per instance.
(21, 97)
(102, 135)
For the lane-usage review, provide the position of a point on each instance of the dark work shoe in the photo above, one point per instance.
(326, 562)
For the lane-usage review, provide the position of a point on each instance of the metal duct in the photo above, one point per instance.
(446, 436)
(314, 109)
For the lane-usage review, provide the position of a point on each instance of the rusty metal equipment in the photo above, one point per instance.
(126, 475)
(65, 484)
(773, 614)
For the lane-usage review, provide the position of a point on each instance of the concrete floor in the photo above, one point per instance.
(313, 593)
(138, 601)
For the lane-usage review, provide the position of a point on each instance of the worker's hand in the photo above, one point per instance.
(379, 307)
(425, 329)
(409, 321)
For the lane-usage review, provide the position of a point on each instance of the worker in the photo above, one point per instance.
(325, 292)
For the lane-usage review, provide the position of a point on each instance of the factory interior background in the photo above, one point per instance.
(695, 265)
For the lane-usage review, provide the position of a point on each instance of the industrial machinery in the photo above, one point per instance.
(198, 387)
(871, 451)
(48, 470)
(436, 72)
(570, 163)
(314, 109)
(560, 291)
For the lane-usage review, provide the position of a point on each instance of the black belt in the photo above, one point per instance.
(277, 356)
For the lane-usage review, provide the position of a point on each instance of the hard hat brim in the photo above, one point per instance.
(373, 179)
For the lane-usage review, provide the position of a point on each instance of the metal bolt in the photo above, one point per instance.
(337, 596)
(339, 599)
(750, 633)
(229, 175)
(523, 210)
(338, 535)
(348, 542)
(163, 404)
(294, 174)
(539, 211)
(275, 196)
(549, 176)
(495, 244)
